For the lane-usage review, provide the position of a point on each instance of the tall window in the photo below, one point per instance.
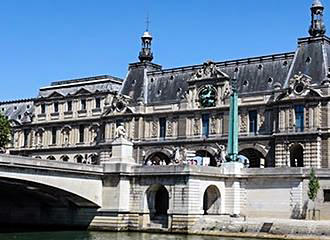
(205, 125)
(299, 111)
(54, 130)
(97, 103)
(81, 133)
(83, 104)
(253, 120)
(162, 127)
(69, 106)
(43, 108)
(56, 107)
(26, 137)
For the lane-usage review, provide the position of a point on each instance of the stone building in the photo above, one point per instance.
(169, 113)
(179, 117)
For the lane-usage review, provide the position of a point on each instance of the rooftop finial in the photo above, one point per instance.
(317, 27)
(146, 53)
(147, 23)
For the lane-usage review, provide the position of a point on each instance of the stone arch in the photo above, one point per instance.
(65, 158)
(51, 157)
(158, 157)
(79, 158)
(212, 200)
(296, 155)
(93, 159)
(158, 203)
(206, 151)
(256, 158)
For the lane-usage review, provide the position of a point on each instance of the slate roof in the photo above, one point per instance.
(104, 83)
(19, 111)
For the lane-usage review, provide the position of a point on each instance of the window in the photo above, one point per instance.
(205, 125)
(162, 127)
(97, 103)
(43, 108)
(26, 137)
(69, 106)
(56, 107)
(253, 115)
(81, 133)
(54, 131)
(326, 195)
(299, 111)
(83, 104)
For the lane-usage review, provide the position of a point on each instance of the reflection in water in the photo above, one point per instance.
(103, 236)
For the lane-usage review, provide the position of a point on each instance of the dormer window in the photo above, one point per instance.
(69, 106)
(43, 108)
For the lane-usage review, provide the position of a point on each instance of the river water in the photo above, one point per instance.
(103, 236)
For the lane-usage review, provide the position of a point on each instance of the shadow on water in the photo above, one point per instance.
(85, 235)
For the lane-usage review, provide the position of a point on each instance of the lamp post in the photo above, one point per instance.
(233, 123)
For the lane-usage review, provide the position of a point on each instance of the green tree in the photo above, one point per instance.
(5, 131)
(313, 188)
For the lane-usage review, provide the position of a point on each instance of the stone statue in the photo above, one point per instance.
(120, 132)
(221, 154)
(209, 70)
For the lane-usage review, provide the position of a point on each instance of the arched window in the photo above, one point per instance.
(212, 200)
(204, 156)
(93, 159)
(158, 158)
(78, 159)
(65, 158)
(296, 156)
(256, 159)
(51, 158)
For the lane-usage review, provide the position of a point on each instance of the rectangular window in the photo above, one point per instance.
(83, 104)
(253, 120)
(326, 195)
(97, 103)
(43, 108)
(54, 131)
(26, 137)
(56, 107)
(205, 125)
(69, 106)
(81, 133)
(162, 127)
(299, 112)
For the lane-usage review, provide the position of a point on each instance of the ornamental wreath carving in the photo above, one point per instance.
(299, 83)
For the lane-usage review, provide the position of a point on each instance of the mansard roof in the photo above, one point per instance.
(19, 111)
(104, 83)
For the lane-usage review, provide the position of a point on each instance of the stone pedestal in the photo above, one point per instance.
(122, 152)
(233, 187)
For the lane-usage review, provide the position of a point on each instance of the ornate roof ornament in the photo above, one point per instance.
(120, 104)
(299, 83)
(208, 71)
(317, 27)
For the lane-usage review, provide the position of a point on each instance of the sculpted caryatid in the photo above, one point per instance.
(120, 132)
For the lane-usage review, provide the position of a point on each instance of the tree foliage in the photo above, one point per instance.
(5, 130)
(313, 185)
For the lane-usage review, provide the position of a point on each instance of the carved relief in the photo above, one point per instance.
(209, 70)
(94, 129)
(196, 126)
(170, 128)
(154, 128)
(213, 125)
(243, 123)
(120, 132)
(66, 135)
(39, 136)
(261, 119)
(299, 83)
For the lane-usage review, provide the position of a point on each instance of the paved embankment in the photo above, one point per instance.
(262, 228)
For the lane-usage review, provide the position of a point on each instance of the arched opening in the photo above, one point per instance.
(296, 156)
(93, 159)
(158, 204)
(78, 159)
(37, 157)
(51, 158)
(158, 158)
(205, 158)
(65, 158)
(256, 158)
(212, 200)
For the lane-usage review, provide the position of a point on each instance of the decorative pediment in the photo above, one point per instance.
(209, 71)
(120, 105)
(82, 91)
(55, 95)
(299, 87)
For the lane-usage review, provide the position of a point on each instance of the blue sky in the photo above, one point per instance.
(49, 40)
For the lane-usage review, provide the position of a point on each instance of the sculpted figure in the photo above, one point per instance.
(120, 132)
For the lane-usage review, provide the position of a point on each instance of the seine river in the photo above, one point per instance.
(103, 236)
